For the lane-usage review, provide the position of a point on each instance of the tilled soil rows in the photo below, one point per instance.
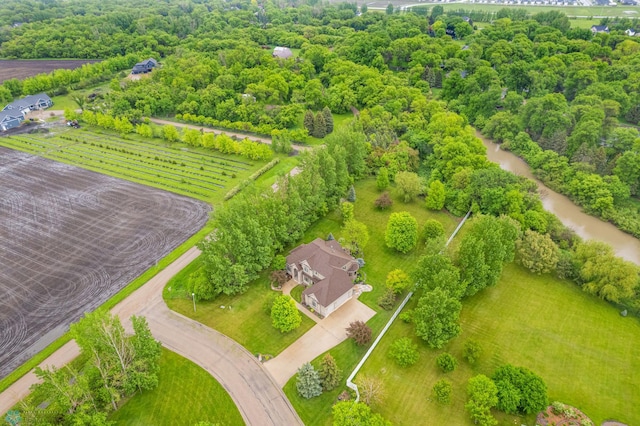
(70, 239)
(20, 69)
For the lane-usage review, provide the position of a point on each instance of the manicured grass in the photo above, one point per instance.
(241, 317)
(583, 349)
(296, 293)
(186, 394)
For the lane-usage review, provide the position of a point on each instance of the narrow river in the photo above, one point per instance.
(588, 227)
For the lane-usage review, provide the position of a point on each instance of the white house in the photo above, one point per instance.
(327, 270)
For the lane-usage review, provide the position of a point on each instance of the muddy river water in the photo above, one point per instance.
(588, 227)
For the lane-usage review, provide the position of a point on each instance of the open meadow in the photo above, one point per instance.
(69, 240)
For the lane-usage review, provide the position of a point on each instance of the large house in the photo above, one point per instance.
(10, 119)
(327, 270)
(29, 103)
(144, 66)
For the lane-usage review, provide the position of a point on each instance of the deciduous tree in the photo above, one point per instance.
(483, 395)
(436, 317)
(409, 185)
(402, 232)
(284, 314)
(398, 281)
(436, 195)
(404, 352)
(537, 252)
(359, 332)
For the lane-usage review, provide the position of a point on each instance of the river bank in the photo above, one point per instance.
(571, 215)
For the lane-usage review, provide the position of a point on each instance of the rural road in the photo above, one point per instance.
(255, 392)
(296, 147)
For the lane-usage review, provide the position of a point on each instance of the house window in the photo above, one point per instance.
(306, 269)
(313, 303)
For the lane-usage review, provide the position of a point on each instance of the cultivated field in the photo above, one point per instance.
(21, 69)
(195, 172)
(69, 240)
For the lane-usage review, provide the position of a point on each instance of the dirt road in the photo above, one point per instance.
(258, 397)
(297, 148)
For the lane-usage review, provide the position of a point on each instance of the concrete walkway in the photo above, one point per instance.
(258, 397)
(326, 334)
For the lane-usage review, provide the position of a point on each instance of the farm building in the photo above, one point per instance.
(10, 119)
(282, 52)
(327, 270)
(29, 103)
(144, 66)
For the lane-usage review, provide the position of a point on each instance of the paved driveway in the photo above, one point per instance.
(326, 334)
(258, 397)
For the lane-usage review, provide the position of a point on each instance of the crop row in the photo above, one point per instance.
(136, 162)
(89, 161)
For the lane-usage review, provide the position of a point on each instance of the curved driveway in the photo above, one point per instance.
(258, 397)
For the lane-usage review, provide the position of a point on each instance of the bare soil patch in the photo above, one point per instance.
(14, 68)
(70, 239)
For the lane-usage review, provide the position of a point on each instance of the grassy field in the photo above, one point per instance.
(571, 11)
(240, 317)
(186, 394)
(191, 171)
(580, 346)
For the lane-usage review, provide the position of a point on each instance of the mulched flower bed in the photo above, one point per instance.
(559, 414)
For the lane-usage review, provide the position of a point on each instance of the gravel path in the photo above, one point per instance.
(253, 389)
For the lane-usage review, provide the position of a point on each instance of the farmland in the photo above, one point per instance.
(190, 171)
(22, 69)
(69, 240)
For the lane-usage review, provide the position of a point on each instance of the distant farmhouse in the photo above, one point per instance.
(144, 66)
(13, 114)
(630, 32)
(599, 29)
(282, 52)
(327, 270)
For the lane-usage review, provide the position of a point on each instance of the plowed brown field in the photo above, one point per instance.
(70, 239)
(10, 68)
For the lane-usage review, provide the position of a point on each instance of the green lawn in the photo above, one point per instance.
(240, 317)
(583, 349)
(186, 394)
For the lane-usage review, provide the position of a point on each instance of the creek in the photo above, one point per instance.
(571, 215)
